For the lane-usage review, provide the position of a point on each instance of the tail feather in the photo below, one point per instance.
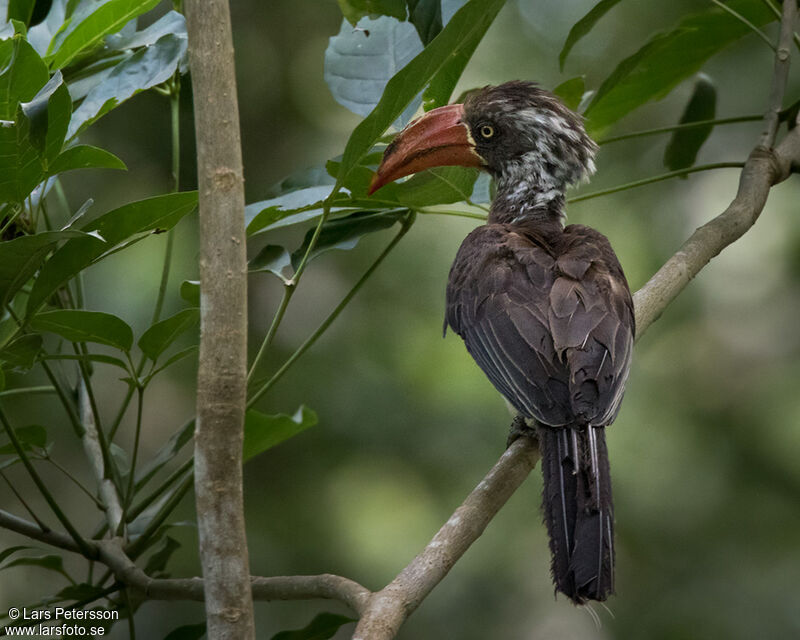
(578, 511)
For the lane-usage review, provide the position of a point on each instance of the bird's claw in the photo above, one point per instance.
(520, 428)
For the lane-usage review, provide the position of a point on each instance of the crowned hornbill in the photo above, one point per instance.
(544, 309)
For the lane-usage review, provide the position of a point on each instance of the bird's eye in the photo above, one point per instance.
(487, 131)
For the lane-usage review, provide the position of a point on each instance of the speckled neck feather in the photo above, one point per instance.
(546, 149)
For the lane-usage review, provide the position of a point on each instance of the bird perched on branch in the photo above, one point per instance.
(544, 309)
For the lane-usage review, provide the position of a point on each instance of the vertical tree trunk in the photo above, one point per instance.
(221, 388)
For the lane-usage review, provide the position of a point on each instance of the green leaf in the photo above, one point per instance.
(360, 62)
(275, 212)
(48, 114)
(459, 35)
(172, 23)
(21, 353)
(157, 562)
(354, 10)
(444, 81)
(426, 16)
(272, 258)
(344, 233)
(32, 436)
(571, 92)
(681, 152)
(262, 432)
(77, 325)
(90, 23)
(190, 291)
(162, 334)
(322, 627)
(187, 632)
(49, 562)
(81, 591)
(23, 74)
(442, 185)
(148, 67)
(21, 10)
(20, 165)
(5, 553)
(84, 156)
(21, 257)
(583, 27)
(156, 214)
(668, 58)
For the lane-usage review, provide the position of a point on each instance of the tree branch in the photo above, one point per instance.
(222, 370)
(35, 532)
(389, 608)
(275, 588)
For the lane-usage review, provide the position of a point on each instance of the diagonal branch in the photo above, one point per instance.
(388, 608)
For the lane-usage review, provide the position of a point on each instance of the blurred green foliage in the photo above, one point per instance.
(704, 452)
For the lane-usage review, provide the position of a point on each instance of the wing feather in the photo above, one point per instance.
(550, 323)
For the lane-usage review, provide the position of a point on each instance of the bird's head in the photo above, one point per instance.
(521, 134)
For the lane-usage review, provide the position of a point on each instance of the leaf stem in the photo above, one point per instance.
(85, 549)
(19, 497)
(658, 178)
(31, 390)
(74, 480)
(406, 225)
(451, 212)
(679, 127)
(747, 23)
(62, 396)
(132, 473)
(288, 291)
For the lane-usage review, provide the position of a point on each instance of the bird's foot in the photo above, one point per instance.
(521, 427)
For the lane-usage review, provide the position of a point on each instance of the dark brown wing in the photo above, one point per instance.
(549, 320)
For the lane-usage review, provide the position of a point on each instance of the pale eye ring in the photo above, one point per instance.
(487, 130)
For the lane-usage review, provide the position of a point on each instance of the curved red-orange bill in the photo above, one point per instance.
(437, 139)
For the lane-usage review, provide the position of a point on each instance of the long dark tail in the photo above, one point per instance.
(578, 511)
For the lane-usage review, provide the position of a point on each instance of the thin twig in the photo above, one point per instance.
(27, 391)
(46, 456)
(288, 290)
(745, 22)
(37, 480)
(406, 225)
(23, 502)
(659, 178)
(680, 127)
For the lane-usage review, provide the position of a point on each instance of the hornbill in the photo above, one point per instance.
(545, 310)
